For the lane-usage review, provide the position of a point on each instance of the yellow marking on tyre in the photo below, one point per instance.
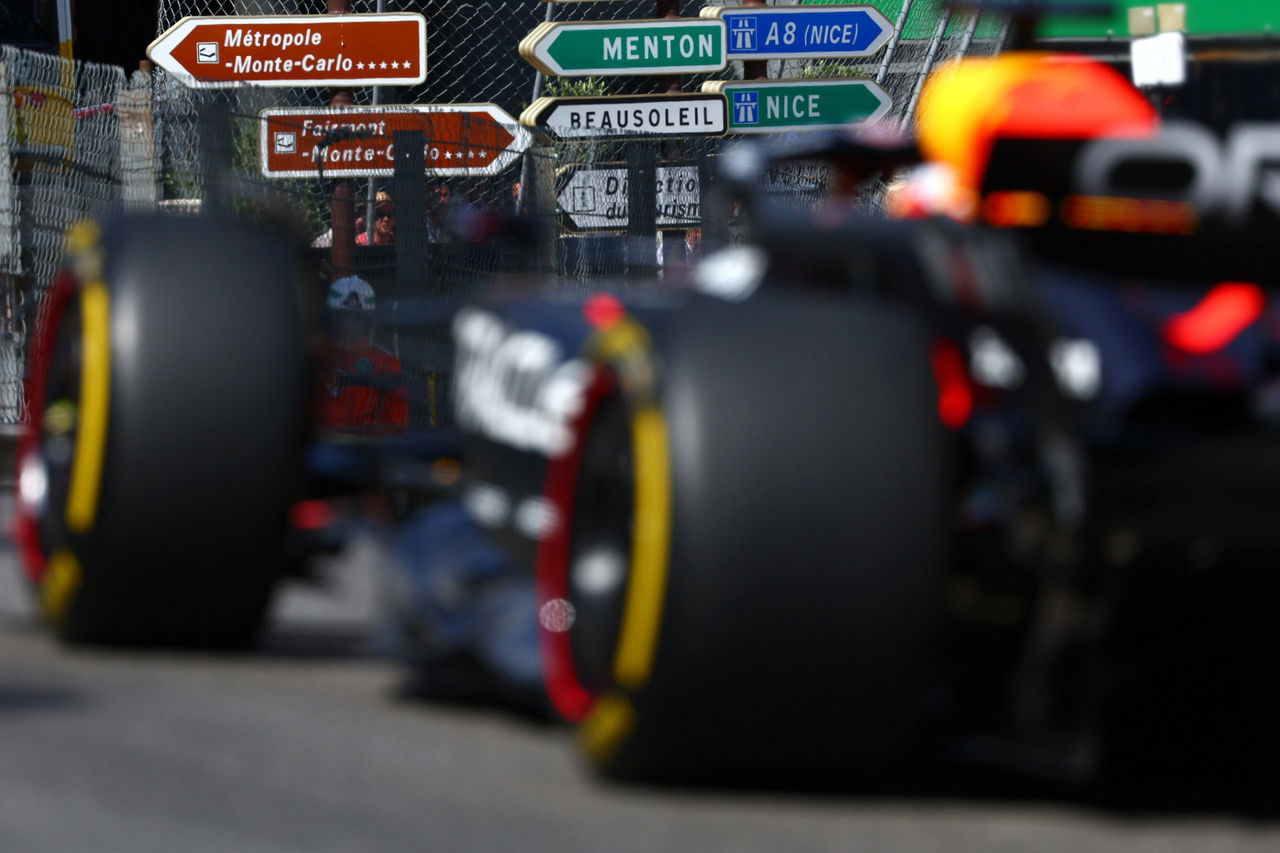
(95, 397)
(623, 338)
(625, 347)
(651, 541)
(611, 719)
(60, 582)
(83, 247)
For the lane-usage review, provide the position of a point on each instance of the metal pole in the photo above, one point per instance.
(215, 156)
(411, 250)
(342, 200)
(66, 33)
(892, 47)
(1003, 37)
(756, 69)
(673, 242)
(369, 202)
(526, 166)
(934, 46)
(642, 170)
(967, 41)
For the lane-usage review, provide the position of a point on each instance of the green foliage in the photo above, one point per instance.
(834, 68)
(575, 87)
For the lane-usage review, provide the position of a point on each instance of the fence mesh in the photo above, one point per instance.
(81, 137)
(60, 161)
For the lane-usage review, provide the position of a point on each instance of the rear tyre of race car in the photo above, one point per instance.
(750, 584)
(168, 403)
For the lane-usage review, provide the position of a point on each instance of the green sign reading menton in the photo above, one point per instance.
(662, 46)
(779, 106)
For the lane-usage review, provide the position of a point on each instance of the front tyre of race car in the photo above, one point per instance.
(167, 395)
(750, 578)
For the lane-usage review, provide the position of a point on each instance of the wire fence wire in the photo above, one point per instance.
(60, 160)
(80, 137)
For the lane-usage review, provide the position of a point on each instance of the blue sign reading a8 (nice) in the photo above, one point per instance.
(802, 32)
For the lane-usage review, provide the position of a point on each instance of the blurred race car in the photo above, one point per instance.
(993, 481)
(996, 482)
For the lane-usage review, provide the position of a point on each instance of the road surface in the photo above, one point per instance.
(304, 747)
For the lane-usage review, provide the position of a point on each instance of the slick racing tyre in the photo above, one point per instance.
(750, 579)
(167, 394)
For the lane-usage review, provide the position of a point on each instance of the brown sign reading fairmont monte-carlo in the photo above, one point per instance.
(461, 139)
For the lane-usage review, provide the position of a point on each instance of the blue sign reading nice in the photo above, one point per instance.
(765, 32)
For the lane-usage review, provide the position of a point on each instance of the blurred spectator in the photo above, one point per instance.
(693, 242)
(362, 383)
(438, 198)
(384, 223)
(384, 231)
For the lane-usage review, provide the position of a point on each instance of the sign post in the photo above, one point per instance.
(628, 116)
(461, 139)
(781, 106)
(296, 50)
(802, 32)
(660, 46)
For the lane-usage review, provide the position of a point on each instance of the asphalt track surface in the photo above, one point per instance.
(303, 746)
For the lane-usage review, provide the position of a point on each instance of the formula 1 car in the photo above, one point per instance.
(1000, 487)
(994, 483)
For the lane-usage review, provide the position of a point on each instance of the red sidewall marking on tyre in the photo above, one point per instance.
(571, 699)
(26, 525)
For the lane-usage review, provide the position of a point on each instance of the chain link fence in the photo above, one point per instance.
(60, 160)
(81, 137)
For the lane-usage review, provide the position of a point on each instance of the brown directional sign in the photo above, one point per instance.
(295, 50)
(462, 139)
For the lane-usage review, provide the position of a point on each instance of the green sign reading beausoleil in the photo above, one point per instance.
(775, 106)
(675, 46)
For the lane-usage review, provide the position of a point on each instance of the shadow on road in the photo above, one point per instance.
(39, 698)
(1252, 799)
(315, 643)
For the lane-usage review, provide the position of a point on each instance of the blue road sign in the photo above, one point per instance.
(746, 107)
(802, 32)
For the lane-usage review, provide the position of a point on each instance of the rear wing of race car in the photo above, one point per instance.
(1185, 204)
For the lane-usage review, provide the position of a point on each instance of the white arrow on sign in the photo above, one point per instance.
(596, 199)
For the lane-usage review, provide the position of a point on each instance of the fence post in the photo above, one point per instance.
(642, 217)
(756, 69)
(898, 29)
(342, 208)
(408, 187)
(10, 257)
(411, 210)
(939, 34)
(137, 155)
(673, 241)
(215, 155)
(713, 205)
(12, 337)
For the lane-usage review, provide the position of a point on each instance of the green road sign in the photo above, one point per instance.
(1235, 18)
(780, 106)
(661, 46)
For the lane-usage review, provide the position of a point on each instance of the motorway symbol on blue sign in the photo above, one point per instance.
(802, 32)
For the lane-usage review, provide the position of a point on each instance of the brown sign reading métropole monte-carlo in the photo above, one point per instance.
(296, 50)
